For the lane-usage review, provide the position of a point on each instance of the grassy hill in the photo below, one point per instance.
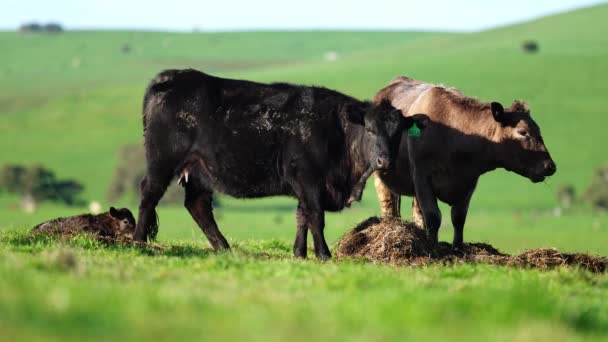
(70, 101)
(82, 83)
(72, 116)
(41, 67)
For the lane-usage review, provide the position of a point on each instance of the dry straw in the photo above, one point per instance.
(404, 243)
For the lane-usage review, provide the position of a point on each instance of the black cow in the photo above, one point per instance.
(250, 140)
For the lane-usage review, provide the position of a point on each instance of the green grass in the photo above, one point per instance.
(37, 68)
(260, 293)
(70, 101)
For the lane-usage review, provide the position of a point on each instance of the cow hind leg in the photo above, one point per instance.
(199, 203)
(317, 224)
(152, 189)
(300, 245)
(459, 216)
(417, 213)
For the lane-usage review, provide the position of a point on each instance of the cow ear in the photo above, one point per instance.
(422, 120)
(355, 115)
(497, 111)
(113, 212)
(407, 122)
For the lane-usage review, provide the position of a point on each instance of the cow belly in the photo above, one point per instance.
(244, 168)
(447, 187)
(451, 189)
(399, 182)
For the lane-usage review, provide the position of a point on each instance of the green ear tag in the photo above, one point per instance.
(414, 131)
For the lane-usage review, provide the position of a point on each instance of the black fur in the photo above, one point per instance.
(249, 140)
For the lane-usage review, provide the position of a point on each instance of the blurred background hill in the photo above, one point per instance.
(71, 100)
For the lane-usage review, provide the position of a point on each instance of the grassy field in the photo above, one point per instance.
(70, 101)
(82, 290)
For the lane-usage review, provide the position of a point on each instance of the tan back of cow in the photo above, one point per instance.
(515, 138)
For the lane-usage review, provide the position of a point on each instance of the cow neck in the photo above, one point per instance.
(356, 158)
(480, 124)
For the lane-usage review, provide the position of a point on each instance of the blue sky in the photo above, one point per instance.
(461, 15)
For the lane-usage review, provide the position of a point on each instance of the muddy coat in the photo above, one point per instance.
(116, 223)
(249, 139)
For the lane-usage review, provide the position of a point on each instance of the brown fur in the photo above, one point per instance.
(465, 138)
(115, 224)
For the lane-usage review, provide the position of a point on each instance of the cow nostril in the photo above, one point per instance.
(550, 167)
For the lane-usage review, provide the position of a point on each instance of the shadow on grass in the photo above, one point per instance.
(24, 241)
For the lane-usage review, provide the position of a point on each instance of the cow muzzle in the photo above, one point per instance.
(550, 168)
(546, 169)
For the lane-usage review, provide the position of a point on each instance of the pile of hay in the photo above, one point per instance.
(404, 243)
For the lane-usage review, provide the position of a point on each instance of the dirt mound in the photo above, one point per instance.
(404, 243)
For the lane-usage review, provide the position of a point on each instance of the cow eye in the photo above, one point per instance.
(369, 130)
(523, 133)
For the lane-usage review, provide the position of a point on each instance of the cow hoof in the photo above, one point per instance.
(433, 239)
(139, 239)
(458, 249)
(219, 244)
(324, 256)
(299, 253)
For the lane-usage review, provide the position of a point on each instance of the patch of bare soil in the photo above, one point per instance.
(404, 243)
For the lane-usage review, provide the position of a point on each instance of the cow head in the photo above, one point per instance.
(521, 146)
(383, 128)
(124, 221)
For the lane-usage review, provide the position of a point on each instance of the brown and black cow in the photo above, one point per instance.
(115, 223)
(465, 138)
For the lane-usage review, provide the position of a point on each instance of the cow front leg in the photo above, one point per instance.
(390, 203)
(459, 216)
(310, 214)
(427, 202)
(317, 227)
(199, 204)
(300, 245)
(314, 216)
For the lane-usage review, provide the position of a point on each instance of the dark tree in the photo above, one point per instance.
(39, 184)
(30, 27)
(53, 28)
(530, 46)
(125, 48)
(12, 178)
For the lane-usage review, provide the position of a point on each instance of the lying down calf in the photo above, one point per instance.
(116, 224)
